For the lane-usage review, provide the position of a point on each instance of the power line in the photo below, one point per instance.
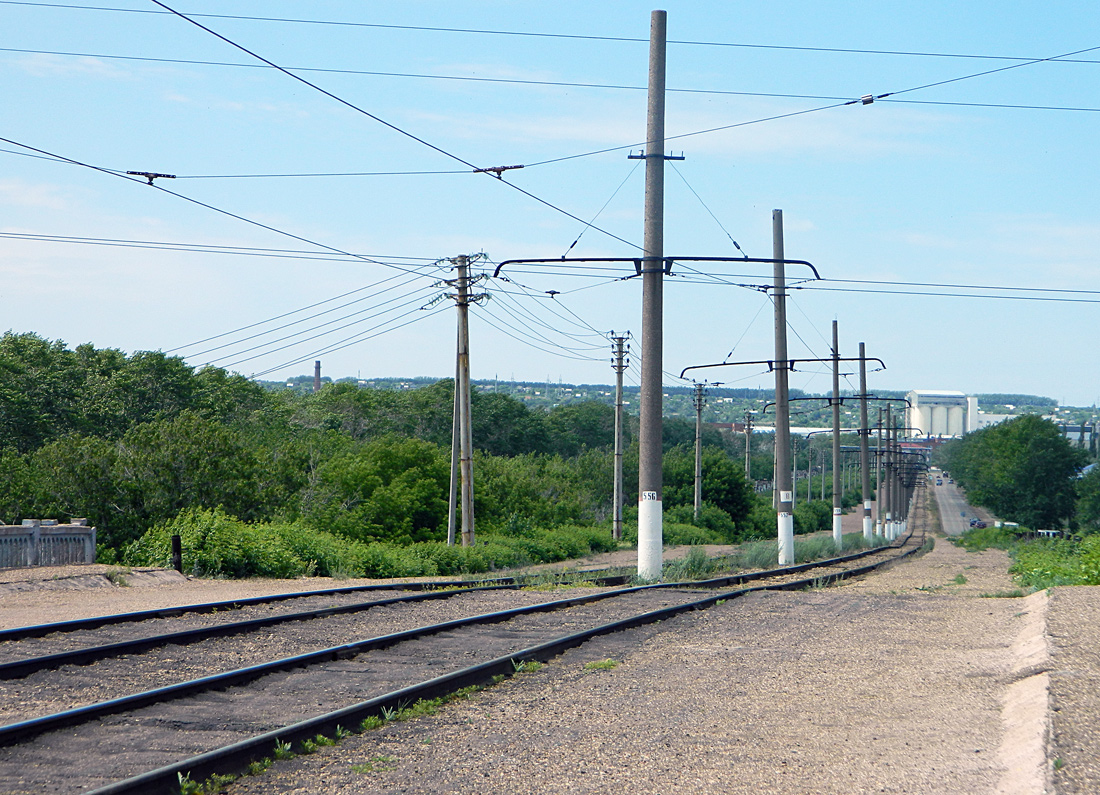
(348, 342)
(521, 82)
(546, 35)
(307, 319)
(298, 339)
(200, 248)
(385, 123)
(279, 317)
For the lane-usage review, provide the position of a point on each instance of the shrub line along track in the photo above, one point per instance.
(237, 755)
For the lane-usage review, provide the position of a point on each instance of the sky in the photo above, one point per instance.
(955, 222)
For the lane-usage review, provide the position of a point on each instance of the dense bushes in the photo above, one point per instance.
(216, 544)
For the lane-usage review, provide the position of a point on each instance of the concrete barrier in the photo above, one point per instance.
(44, 542)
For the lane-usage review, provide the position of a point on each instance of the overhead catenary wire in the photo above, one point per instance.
(390, 125)
(205, 205)
(538, 34)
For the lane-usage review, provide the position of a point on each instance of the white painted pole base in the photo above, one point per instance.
(889, 527)
(786, 539)
(650, 539)
(838, 530)
(868, 527)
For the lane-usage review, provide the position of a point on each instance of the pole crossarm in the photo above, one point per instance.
(668, 262)
(772, 363)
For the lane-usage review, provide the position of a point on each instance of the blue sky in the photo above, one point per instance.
(940, 189)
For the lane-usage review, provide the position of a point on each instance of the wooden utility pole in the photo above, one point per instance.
(748, 446)
(462, 388)
(700, 401)
(619, 363)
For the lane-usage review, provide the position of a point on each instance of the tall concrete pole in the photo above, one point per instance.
(785, 503)
(466, 462)
(838, 488)
(889, 467)
(864, 444)
(650, 516)
(699, 399)
(880, 530)
(619, 364)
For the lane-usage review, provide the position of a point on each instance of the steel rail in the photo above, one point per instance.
(16, 669)
(95, 622)
(17, 732)
(89, 654)
(236, 757)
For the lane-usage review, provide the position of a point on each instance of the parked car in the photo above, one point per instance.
(939, 481)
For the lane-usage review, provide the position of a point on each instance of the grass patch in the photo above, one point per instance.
(527, 666)
(376, 764)
(960, 579)
(1015, 593)
(601, 665)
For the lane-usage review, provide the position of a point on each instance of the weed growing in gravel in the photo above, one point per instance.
(376, 764)
(118, 577)
(527, 666)
(282, 750)
(341, 733)
(601, 665)
(1059, 764)
(1015, 593)
(960, 579)
(258, 766)
(308, 746)
(371, 722)
(216, 783)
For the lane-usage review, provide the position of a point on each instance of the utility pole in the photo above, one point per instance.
(785, 503)
(748, 446)
(838, 510)
(462, 386)
(889, 488)
(700, 401)
(864, 444)
(879, 530)
(619, 364)
(317, 376)
(650, 516)
(452, 497)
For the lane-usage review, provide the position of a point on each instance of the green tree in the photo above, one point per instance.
(390, 489)
(724, 484)
(1088, 502)
(1023, 470)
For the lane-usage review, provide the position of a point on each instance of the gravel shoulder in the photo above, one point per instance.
(894, 683)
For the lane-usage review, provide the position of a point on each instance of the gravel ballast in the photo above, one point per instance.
(908, 681)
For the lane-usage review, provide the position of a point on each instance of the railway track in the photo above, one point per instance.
(117, 721)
